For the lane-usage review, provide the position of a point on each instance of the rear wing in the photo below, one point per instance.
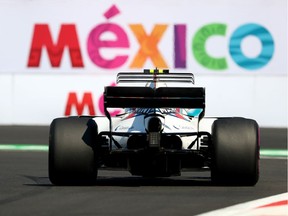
(146, 97)
(150, 77)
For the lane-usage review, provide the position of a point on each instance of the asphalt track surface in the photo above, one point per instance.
(25, 188)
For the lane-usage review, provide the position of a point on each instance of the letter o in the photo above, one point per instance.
(266, 41)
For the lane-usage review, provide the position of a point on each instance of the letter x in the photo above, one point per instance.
(148, 46)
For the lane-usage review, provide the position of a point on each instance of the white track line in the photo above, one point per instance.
(269, 206)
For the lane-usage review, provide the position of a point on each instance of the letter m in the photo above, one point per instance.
(67, 38)
(73, 102)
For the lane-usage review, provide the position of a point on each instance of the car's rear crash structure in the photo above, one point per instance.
(161, 131)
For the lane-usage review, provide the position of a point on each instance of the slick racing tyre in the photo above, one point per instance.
(235, 151)
(72, 160)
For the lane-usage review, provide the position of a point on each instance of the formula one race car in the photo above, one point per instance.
(161, 131)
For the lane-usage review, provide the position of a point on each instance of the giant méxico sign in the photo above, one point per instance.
(65, 54)
(112, 36)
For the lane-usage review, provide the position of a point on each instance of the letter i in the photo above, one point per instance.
(180, 46)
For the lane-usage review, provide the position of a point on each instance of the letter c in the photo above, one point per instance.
(199, 50)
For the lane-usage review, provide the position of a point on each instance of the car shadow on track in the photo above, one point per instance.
(133, 181)
(147, 181)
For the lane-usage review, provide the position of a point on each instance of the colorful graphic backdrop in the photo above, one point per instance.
(56, 57)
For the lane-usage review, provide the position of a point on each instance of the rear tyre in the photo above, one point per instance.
(72, 160)
(235, 151)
